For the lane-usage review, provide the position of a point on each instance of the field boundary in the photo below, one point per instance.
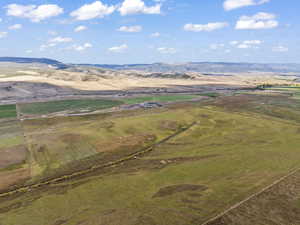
(132, 156)
(220, 215)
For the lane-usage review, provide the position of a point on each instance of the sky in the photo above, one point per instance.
(149, 31)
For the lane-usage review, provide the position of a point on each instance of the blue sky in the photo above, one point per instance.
(147, 31)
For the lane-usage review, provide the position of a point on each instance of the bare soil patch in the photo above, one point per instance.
(11, 156)
(10, 178)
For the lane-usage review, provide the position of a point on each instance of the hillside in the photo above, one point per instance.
(50, 62)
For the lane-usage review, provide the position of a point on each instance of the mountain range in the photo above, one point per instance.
(203, 67)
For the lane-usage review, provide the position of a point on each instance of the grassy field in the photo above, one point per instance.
(294, 90)
(72, 105)
(161, 98)
(58, 142)
(13, 154)
(239, 145)
(278, 204)
(89, 105)
(8, 111)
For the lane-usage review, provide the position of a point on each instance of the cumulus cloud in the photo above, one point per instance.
(235, 4)
(80, 28)
(165, 50)
(233, 43)
(15, 27)
(205, 27)
(129, 7)
(53, 33)
(118, 49)
(82, 47)
(156, 34)
(92, 11)
(260, 20)
(280, 49)
(33, 12)
(244, 46)
(54, 42)
(43, 47)
(3, 34)
(60, 40)
(253, 42)
(131, 29)
(247, 44)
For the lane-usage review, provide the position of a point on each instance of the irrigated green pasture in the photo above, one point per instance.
(160, 98)
(90, 105)
(238, 145)
(8, 111)
(39, 108)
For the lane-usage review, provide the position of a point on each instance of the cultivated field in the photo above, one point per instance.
(180, 164)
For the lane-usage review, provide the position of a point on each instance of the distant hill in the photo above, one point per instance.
(50, 62)
(204, 67)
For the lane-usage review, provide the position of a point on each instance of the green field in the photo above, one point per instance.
(161, 98)
(72, 105)
(238, 145)
(90, 105)
(8, 111)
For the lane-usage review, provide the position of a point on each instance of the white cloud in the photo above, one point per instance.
(131, 29)
(118, 49)
(60, 40)
(29, 51)
(54, 42)
(280, 49)
(248, 44)
(253, 42)
(82, 47)
(258, 21)
(165, 50)
(45, 46)
(156, 34)
(3, 34)
(53, 33)
(244, 46)
(1, 20)
(233, 43)
(205, 27)
(92, 11)
(235, 4)
(33, 12)
(216, 46)
(129, 7)
(80, 28)
(15, 27)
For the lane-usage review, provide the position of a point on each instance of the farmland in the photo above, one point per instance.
(211, 155)
(162, 98)
(90, 105)
(72, 105)
(7, 111)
